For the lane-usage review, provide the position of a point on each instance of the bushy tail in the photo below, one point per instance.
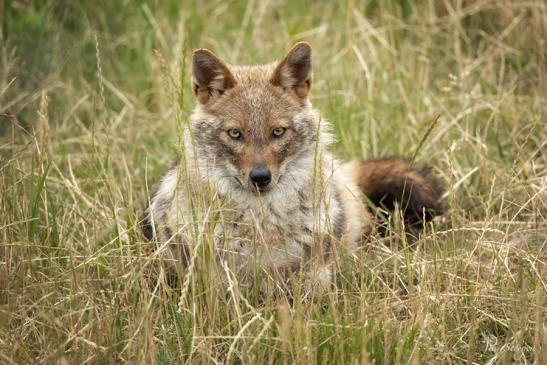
(393, 181)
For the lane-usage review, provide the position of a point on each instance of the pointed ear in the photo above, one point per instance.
(211, 77)
(293, 73)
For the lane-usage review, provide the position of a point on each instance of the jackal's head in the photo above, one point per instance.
(254, 124)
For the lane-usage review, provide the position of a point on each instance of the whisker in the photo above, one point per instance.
(236, 177)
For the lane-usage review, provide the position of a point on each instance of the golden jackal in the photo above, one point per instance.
(256, 174)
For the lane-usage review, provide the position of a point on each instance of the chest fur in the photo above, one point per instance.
(272, 233)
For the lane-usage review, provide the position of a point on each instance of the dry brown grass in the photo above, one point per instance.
(92, 99)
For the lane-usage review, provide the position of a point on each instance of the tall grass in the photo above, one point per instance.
(93, 96)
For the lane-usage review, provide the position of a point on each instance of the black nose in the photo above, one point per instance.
(260, 176)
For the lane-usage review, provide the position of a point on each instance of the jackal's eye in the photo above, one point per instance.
(234, 133)
(278, 132)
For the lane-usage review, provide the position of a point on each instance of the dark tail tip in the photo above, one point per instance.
(393, 182)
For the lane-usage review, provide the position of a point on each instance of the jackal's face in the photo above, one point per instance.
(252, 122)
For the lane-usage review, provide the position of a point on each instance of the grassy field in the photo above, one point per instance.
(93, 96)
